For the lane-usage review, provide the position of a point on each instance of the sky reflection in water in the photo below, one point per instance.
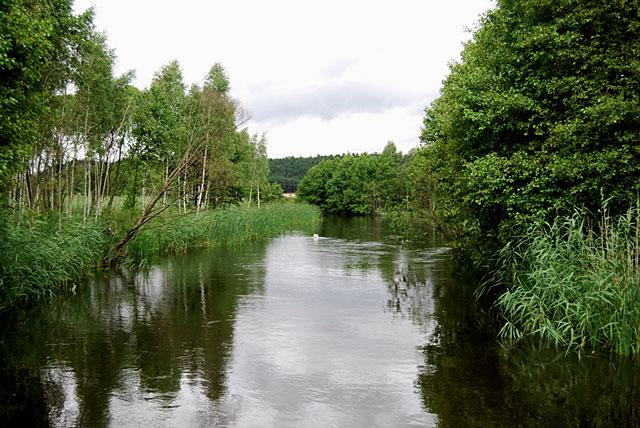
(348, 330)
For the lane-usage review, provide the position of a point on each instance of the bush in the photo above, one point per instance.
(541, 115)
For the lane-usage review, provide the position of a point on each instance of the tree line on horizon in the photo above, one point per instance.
(288, 171)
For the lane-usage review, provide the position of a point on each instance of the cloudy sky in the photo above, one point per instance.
(318, 77)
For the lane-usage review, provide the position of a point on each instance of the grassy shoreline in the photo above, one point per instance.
(222, 227)
(39, 260)
(575, 283)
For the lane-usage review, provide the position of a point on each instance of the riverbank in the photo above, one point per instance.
(223, 227)
(41, 259)
(575, 283)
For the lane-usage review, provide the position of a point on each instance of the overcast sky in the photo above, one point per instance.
(318, 77)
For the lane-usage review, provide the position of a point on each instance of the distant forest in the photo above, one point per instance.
(289, 171)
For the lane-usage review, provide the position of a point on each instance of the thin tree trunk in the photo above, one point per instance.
(206, 195)
(184, 192)
(36, 196)
(204, 163)
(27, 180)
(60, 165)
(148, 214)
(144, 174)
(166, 174)
(89, 196)
(116, 185)
(72, 187)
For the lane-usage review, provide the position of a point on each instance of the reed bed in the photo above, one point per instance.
(575, 283)
(222, 227)
(37, 260)
(41, 259)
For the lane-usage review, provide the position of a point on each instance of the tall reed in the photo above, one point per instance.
(576, 282)
(221, 227)
(36, 260)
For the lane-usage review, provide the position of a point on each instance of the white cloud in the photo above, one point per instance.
(319, 77)
(350, 132)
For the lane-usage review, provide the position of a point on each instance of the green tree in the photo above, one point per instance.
(217, 79)
(542, 114)
(356, 185)
(38, 50)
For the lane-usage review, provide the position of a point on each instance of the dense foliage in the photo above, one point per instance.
(76, 136)
(542, 114)
(575, 284)
(356, 184)
(288, 172)
(40, 43)
(80, 146)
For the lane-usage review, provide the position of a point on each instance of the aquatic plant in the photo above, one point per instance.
(575, 282)
(36, 260)
(221, 227)
(39, 260)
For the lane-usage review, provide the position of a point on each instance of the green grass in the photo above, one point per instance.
(575, 283)
(222, 227)
(39, 260)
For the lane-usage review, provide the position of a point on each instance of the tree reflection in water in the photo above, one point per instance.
(156, 334)
(333, 335)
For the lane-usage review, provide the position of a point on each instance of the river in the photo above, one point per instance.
(348, 330)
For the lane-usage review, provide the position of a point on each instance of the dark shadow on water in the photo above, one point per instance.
(64, 362)
(469, 379)
(134, 343)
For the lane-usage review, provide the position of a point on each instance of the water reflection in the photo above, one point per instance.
(469, 379)
(128, 347)
(349, 330)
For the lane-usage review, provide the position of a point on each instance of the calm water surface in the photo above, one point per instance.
(348, 330)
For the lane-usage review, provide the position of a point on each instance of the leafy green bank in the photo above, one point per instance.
(94, 170)
(539, 119)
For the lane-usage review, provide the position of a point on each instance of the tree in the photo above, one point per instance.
(217, 79)
(356, 185)
(159, 129)
(541, 115)
(194, 133)
(38, 50)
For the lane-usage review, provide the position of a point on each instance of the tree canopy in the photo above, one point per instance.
(356, 184)
(541, 115)
(40, 45)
